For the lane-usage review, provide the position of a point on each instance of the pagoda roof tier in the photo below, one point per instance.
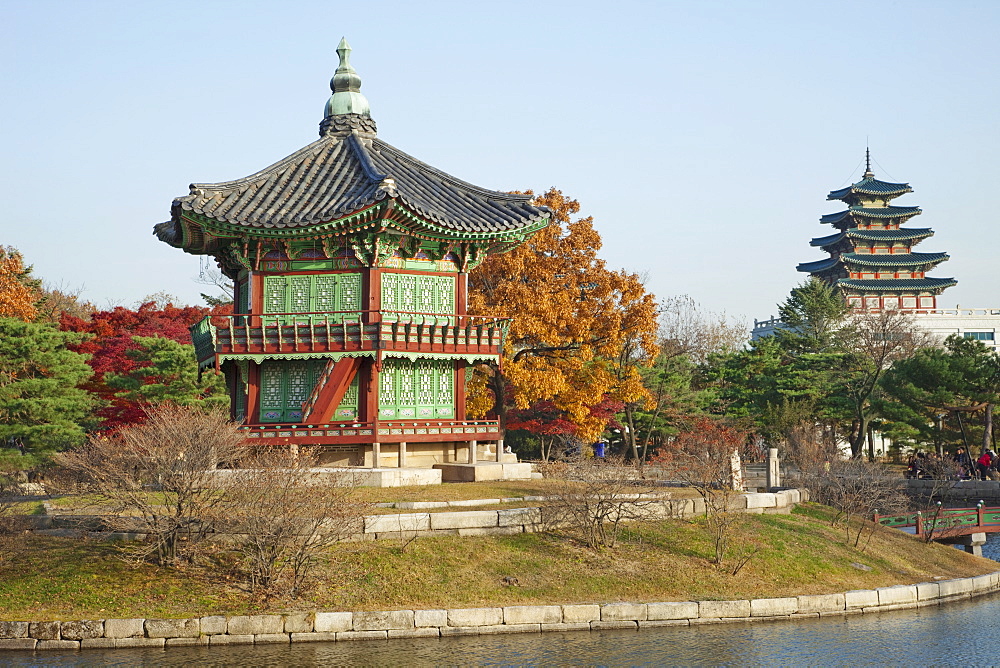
(818, 265)
(873, 235)
(343, 173)
(894, 260)
(896, 284)
(872, 212)
(870, 186)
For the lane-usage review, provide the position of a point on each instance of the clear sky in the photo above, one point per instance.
(702, 136)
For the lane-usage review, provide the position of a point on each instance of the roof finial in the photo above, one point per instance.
(346, 87)
(868, 164)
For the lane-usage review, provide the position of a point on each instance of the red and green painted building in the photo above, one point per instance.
(350, 261)
(871, 258)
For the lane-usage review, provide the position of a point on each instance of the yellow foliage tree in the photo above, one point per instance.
(18, 290)
(580, 330)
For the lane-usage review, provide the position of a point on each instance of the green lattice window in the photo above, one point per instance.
(312, 293)
(285, 385)
(244, 294)
(240, 402)
(424, 389)
(415, 293)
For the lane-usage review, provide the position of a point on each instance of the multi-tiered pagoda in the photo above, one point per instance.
(349, 260)
(871, 256)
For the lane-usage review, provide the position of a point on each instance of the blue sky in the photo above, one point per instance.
(702, 136)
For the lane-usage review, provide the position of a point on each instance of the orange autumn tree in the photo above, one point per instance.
(18, 290)
(580, 331)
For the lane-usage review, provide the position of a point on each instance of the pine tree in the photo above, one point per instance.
(42, 405)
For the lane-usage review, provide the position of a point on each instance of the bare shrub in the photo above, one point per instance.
(858, 489)
(941, 475)
(159, 477)
(706, 457)
(594, 497)
(810, 446)
(283, 516)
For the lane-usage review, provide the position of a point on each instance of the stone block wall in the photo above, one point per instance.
(517, 520)
(319, 626)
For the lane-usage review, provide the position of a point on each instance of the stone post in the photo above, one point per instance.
(773, 469)
(736, 472)
(402, 454)
(473, 445)
(973, 543)
(376, 455)
(499, 450)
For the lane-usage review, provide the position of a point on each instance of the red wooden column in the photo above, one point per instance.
(368, 373)
(459, 390)
(462, 293)
(255, 281)
(461, 308)
(253, 393)
(373, 293)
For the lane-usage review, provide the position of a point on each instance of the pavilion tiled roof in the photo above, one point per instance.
(870, 186)
(894, 259)
(872, 212)
(896, 284)
(347, 170)
(338, 175)
(874, 235)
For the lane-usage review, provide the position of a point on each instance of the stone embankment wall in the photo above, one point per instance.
(966, 492)
(344, 626)
(518, 520)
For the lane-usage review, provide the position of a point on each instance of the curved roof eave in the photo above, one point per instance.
(896, 284)
(337, 176)
(870, 186)
(818, 265)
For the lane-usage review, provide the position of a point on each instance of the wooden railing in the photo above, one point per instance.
(946, 521)
(379, 431)
(344, 331)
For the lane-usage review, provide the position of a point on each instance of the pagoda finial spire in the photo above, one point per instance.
(346, 87)
(347, 109)
(868, 164)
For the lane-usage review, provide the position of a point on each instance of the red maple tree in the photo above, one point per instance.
(113, 333)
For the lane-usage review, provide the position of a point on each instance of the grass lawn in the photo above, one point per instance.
(58, 578)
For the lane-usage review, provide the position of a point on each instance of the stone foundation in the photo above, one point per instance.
(319, 626)
(481, 471)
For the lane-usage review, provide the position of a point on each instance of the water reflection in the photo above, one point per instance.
(950, 634)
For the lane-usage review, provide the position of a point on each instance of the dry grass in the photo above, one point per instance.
(477, 490)
(657, 561)
(465, 491)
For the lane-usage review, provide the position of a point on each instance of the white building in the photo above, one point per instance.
(982, 324)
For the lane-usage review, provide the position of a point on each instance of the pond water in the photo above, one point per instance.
(952, 634)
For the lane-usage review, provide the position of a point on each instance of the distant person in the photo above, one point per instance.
(964, 463)
(983, 464)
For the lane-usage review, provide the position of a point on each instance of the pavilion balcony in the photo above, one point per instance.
(218, 336)
(380, 431)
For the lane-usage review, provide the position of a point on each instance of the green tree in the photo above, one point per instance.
(41, 403)
(677, 394)
(793, 379)
(812, 316)
(872, 342)
(823, 367)
(166, 371)
(959, 381)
